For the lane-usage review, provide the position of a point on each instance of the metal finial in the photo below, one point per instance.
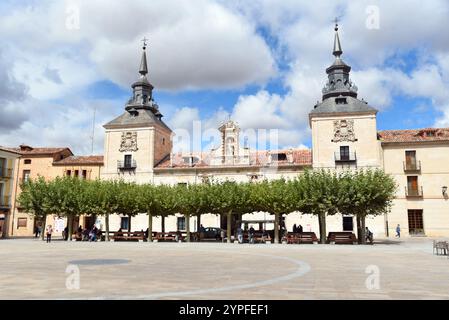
(336, 20)
(144, 40)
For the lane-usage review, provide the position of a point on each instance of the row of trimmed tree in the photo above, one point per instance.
(318, 192)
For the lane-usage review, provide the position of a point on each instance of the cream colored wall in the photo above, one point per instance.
(367, 147)
(144, 156)
(433, 176)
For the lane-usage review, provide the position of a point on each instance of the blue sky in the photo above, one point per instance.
(262, 63)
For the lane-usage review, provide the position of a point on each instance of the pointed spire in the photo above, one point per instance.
(143, 70)
(337, 46)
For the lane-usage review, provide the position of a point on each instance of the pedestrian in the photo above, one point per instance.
(251, 235)
(36, 232)
(368, 235)
(398, 231)
(222, 235)
(239, 234)
(295, 229)
(49, 231)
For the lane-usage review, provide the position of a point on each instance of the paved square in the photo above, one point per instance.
(32, 269)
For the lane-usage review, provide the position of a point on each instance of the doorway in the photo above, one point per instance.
(348, 223)
(415, 222)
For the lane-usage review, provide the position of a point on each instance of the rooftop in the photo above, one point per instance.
(414, 135)
(81, 160)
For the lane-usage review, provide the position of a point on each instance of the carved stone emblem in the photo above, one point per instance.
(344, 131)
(129, 142)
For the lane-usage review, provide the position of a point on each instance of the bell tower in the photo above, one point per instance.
(344, 131)
(138, 139)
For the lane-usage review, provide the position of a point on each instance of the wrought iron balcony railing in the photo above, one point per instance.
(412, 166)
(414, 192)
(126, 165)
(345, 157)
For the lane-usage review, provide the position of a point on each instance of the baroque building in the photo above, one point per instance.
(138, 148)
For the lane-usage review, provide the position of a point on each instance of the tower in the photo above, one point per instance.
(344, 132)
(138, 139)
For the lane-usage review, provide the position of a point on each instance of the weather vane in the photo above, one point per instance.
(336, 20)
(144, 40)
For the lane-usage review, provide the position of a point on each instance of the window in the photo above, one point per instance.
(183, 184)
(68, 173)
(124, 223)
(21, 222)
(26, 175)
(181, 223)
(348, 224)
(84, 174)
(27, 161)
(279, 157)
(77, 173)
(410, 160)
(344, 153)
(128, 161)
(163, 141)
(412, 183)
(415, 222)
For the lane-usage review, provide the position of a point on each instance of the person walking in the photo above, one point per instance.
(239, 234)
(398, 231)
(49, 232)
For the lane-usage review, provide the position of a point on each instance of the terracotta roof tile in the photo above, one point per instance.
(25, 150)
(415, 135)
(79, 160)
(257, 158)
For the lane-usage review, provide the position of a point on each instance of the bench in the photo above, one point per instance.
(302, 237)
(440, 247)
(124, 235)
(341, 238)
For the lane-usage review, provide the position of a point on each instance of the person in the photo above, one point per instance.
(36, 232)
(201, 231)
(295, 228)
(368, 235)
(39, 230)
(65, 233)
(251, 235)
(240, 234)
(222, 235)
(300, 229)
(49, 231)
(80, 229)
(398, 231)
(93, 234)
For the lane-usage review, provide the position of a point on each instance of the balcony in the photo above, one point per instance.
(5, 173)
(345, 157)
(412, 166)
(4, 202)
(126, 165)
(414, 192)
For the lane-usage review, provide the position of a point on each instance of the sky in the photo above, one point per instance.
(260, 63)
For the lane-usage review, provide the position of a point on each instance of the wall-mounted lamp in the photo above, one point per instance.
(444, 190)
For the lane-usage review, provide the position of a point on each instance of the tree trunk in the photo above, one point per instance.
(106, 222)
(362, 222)
(44, 226)
(229, 217)
(359, 229)
(198, 223)
(276, 228)
(150, 227)
(163, 223)
(322, 224)
(70, 228)
(187, 217)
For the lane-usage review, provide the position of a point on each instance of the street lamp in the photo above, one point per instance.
(444, 189)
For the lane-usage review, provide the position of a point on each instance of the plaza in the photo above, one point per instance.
(389, 269)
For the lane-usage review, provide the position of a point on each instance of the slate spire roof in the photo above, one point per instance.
(340, 93)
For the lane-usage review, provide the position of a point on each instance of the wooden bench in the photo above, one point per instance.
(260, 237)
(440, 247)
(341, 238)
(302, 237)
(124, 235)
(168, 236)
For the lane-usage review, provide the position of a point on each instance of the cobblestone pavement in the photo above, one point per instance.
(392, 269)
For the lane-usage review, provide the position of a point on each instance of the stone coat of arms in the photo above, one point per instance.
(129, 142)
(344, 131)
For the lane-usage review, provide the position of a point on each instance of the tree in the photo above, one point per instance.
(229, 198)
(127, 200)
(365, 192)
(317, 194)
(35, 199)
(276, 197)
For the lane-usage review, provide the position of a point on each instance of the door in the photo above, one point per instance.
(412, 185)
(415, 222)
(348, 224)
(410, 160)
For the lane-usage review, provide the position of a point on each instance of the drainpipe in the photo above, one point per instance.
(13, 205)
